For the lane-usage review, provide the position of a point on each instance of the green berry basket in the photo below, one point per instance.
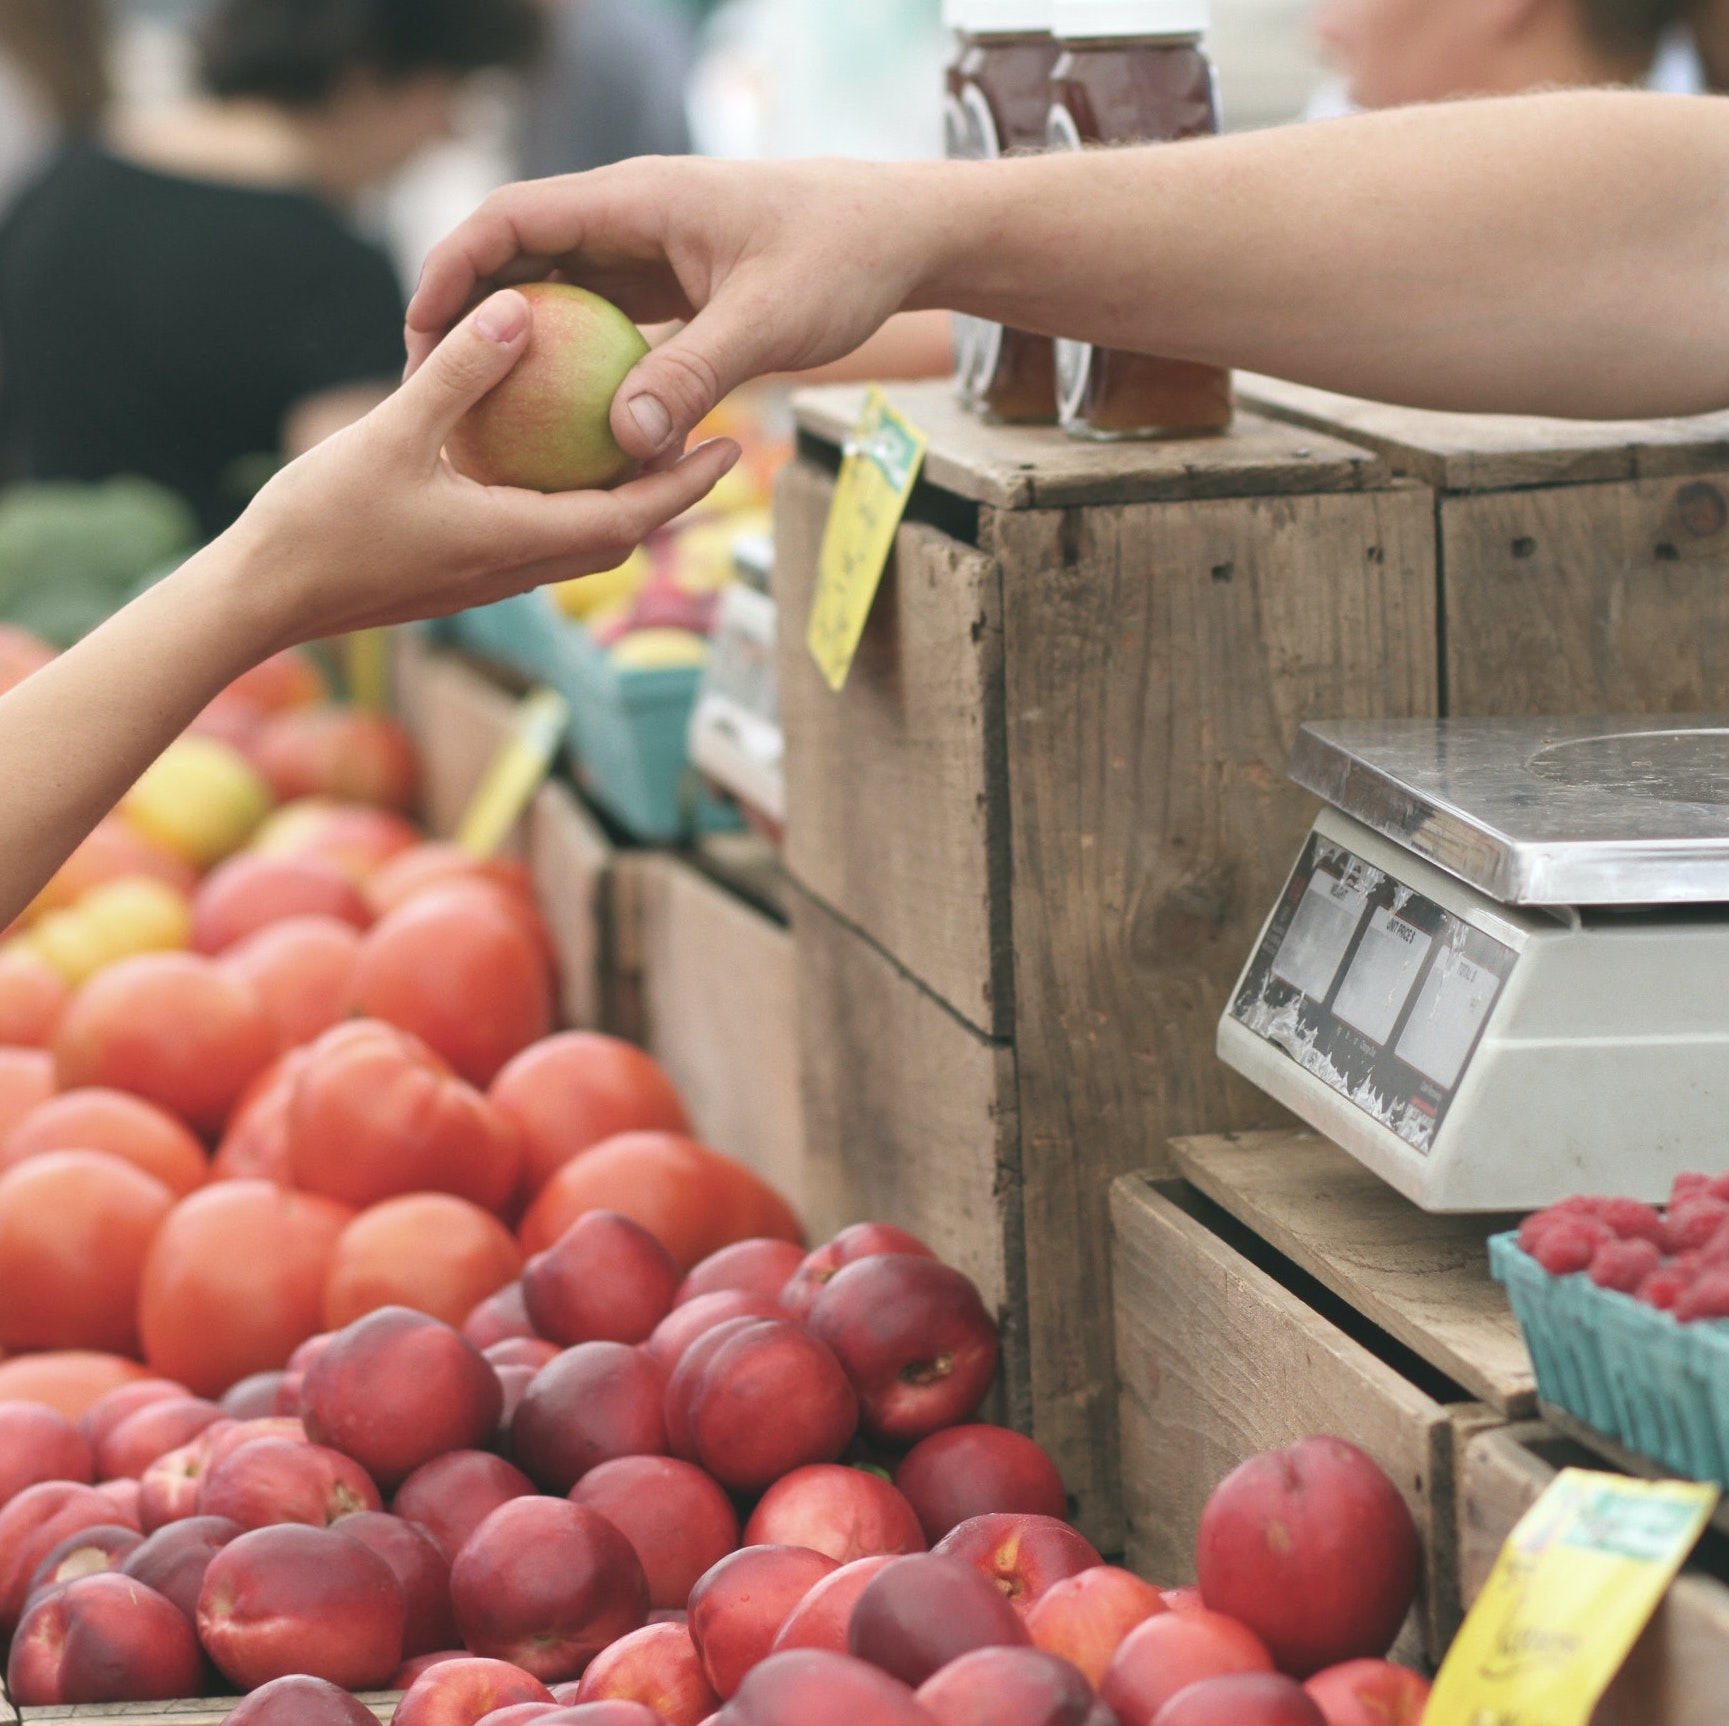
(1628, 1369)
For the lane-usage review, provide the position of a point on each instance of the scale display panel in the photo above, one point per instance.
(1376, 990)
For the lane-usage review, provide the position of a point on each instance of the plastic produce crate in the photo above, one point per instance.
(1626, 1368)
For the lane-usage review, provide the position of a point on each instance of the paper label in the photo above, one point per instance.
(879, 470)
(517, 772)
(1571, 1592)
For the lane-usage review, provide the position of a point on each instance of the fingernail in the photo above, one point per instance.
(503, 318)
(652, 419)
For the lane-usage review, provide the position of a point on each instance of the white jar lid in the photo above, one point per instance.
(1129, 18)
(999, 17)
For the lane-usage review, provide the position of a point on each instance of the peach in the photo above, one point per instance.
(547, 1584)
(152, 1431)
(453, 1494)
(274, 1480)
(915, 1340)
(300, 1701)
(125, 1497)
(595, 1402)
(295, 1599)
(409, 1670)
(1023, 1555)
(522, 1714)
(808, 1687)
(87, 1553)
(1171, 1651)
(108, 1411)
(395, 1389)
(498, 1317)
(513, 1381)
(657, 1666)
(739, 1605)
(32, 1524)
(1242, 1699)
(103, 1638)
(1369, 1693)
(1085, 1617)
(529, 1351)
(1313, 1548)
(676, 1517)
(1025, 1686)
(421, 1570)
(919, 1613)
(173, 1559)
(170, 1486)
(846, 1512)
(823, 1618)
(863, 1240)
(967, 1471)
(605, 1279)
(1185, 1599)
(38, 1443)
(760, 1266)
(685, 1323)
(462, 1691)
(253, 1397)
(225, 1437)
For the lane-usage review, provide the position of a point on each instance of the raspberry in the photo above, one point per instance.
(1689, 1187)
(1624, 1264)
(1691, 1225)
(1718, 1187)
(1568, 1243)
(1707, 1298)
(1665, 1286)
(1631, 1220)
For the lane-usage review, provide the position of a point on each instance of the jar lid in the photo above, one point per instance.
(1113, 18)
(999, 17)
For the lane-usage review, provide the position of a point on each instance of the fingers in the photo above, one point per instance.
(477, 355)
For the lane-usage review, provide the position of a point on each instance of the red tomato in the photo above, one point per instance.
(234, 1282)
(250, 892)
(356, 838)
(171, 1027)
(338, 752)
(70, 1380)
(284, 680)
(255, 1147)
(127, 1127)
(303, 970)
(32, 998)
(26, 1082)
(20, 654)
(456, 968)
(567, 1093)
(435, 863)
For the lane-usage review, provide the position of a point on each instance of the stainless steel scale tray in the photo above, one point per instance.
(1543, 812)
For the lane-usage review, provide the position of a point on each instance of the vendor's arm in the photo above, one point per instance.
(371, 527)
(1560, 254)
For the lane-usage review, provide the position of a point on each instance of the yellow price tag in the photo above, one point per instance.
(877, 476)
(366, 660)
(521, 764)
(1568, 1597)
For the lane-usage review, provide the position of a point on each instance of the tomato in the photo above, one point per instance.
(70, 1380)
(127, 1127)
(113, 850)
(251, 891)
(567, 1093)
(430, 1251)
(356, 838)
(303, 970)
(171, 1027)
(284, 680)
(74, 1229)
(376, 1114)
(255, 1146)
(233, 720)
(21, 653)
(691, 1198)
(33, 995)
(234, 1282)
(435, 863)
(26, 1082)
(458, 969)
(339, 752)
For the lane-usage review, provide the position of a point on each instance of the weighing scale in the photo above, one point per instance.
(1499, 972)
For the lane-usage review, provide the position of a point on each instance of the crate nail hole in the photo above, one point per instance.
(1666, 553)
(1524, 548)
(1376, 554)
(1224, 571)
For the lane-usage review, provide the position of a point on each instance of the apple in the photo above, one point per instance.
(173, 1560)
(547, 1584)
(32, 1524)
(104, 1638)
(1171, 1651)
(823, 1618)
(595, 1402)
(605, 1279)
(1008, 1687)
(738, 1606)
(919, 1613)
(38, 1443)
(548, 427)
(696, 1317)
(1369, 1693)
(967, 1471)
(1242, 1699)
(453, 1494)
(677, 1518)
(1023, 1555)
(396, 1389)
(1085, 1617)
(657, 1666)
(87, 1553)
(498, 1318)
(421, 1570)
(274, 1480)
(461, 1691)
(862, 1241)
(847, 1513)
(129, 1448)
(1314, 1549)
(300, 1701)
(809, 1687)
(759, 1266)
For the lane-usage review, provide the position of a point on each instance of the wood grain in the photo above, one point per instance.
(896, 809)
(1423, 1279)
(1159, 660)
(209, 1711)
(1031, 467)
(572, 861)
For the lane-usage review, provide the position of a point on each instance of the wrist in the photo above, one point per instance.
(239, 602)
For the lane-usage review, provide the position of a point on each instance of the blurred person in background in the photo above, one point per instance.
(183, 297)
(54, 80)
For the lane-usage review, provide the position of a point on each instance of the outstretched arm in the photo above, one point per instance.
(1564, 254)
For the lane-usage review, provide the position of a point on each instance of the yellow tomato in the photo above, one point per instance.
(200, 799)
(588, 594)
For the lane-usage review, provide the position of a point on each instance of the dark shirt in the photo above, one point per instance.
(163, 326)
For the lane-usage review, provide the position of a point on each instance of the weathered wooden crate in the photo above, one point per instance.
(1584, 565)
(1279, 1291)
(210, 1711)
(1039, 828)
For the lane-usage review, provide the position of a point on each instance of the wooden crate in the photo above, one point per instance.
(1584, 564)
(1051, 802)
(1280, 1291)
(210, 1711)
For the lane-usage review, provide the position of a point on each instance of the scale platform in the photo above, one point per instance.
(1499, 972)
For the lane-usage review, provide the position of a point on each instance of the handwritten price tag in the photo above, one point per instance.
(522, 762)
(1568, 1597)
(879, 470)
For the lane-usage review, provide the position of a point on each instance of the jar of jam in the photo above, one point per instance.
(1133, 72)
(999, 99)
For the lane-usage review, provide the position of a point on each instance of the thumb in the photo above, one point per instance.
(475, 357)
(677, 386)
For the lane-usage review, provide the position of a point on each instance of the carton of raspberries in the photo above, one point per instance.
(1676, 1259)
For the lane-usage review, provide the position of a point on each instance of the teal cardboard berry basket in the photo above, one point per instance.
(1630, 1370)
(511, 633)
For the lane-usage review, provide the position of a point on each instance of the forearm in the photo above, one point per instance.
(1563, 254)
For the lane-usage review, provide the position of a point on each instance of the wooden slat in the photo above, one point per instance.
(1605, 1449)
(1159, 660)
(1423, 1279)
(572, 861)
(1028, 467)
(208, 1711)
(1495, 452)
(1219, 1362)
(896, 810)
